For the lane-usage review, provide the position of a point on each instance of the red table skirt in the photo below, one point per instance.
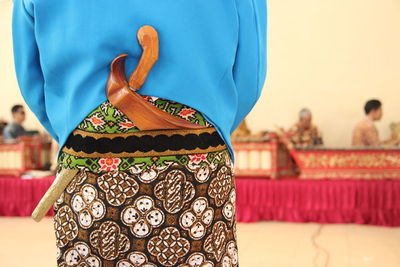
(374, 202)
(19, 197)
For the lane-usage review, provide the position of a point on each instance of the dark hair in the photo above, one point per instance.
(15, 108)
(372, 104)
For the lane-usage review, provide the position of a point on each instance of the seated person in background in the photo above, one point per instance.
(304, 133)
(365, 134)
(3, 124)
(15, 129)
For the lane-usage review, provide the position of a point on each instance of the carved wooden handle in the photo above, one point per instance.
(148, 39)
(142, 113)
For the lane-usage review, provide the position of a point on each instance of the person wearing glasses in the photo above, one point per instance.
(15, 129)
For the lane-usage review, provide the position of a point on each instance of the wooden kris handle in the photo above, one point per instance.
(148, 39)
(122, 95)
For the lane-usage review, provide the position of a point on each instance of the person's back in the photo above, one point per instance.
(209, 51)
(139, 171)
(365, 134)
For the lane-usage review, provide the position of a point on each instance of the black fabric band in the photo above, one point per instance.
(144, 143)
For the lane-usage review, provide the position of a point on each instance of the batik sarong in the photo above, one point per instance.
(146, 198)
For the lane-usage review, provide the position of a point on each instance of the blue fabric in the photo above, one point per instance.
(212, 56)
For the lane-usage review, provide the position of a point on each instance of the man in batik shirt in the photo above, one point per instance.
(365, 134)
(304, 133)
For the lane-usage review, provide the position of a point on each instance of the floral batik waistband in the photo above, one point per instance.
(107, 140)
(144, 143)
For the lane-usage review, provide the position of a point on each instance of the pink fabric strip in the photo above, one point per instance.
(375, 202)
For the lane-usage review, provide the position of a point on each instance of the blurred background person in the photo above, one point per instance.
(15, 129)
(304, 133)
(365, 133)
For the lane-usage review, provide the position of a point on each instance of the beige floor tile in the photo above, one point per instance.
(25, 243)
(333, 241)
(374, 246)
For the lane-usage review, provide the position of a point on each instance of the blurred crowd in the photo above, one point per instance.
(365, 133)
(303, 133)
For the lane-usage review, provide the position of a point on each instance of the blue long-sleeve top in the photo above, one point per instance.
(212, 56)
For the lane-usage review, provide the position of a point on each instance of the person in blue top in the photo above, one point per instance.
(144, 194)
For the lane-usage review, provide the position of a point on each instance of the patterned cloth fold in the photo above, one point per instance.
(157, 201)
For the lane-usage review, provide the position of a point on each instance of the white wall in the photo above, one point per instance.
(9, 91)
(331, 56)
(328, 55)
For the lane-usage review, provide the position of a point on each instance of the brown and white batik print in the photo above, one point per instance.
(170, 201)
(162, 216)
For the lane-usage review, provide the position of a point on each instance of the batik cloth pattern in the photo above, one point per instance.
(167, 206)
(301, 137)
(108, 119)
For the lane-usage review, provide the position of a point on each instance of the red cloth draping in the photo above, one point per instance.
(375, 202)
(19, 197)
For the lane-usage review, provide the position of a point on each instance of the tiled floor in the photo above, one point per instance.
(25, 243)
